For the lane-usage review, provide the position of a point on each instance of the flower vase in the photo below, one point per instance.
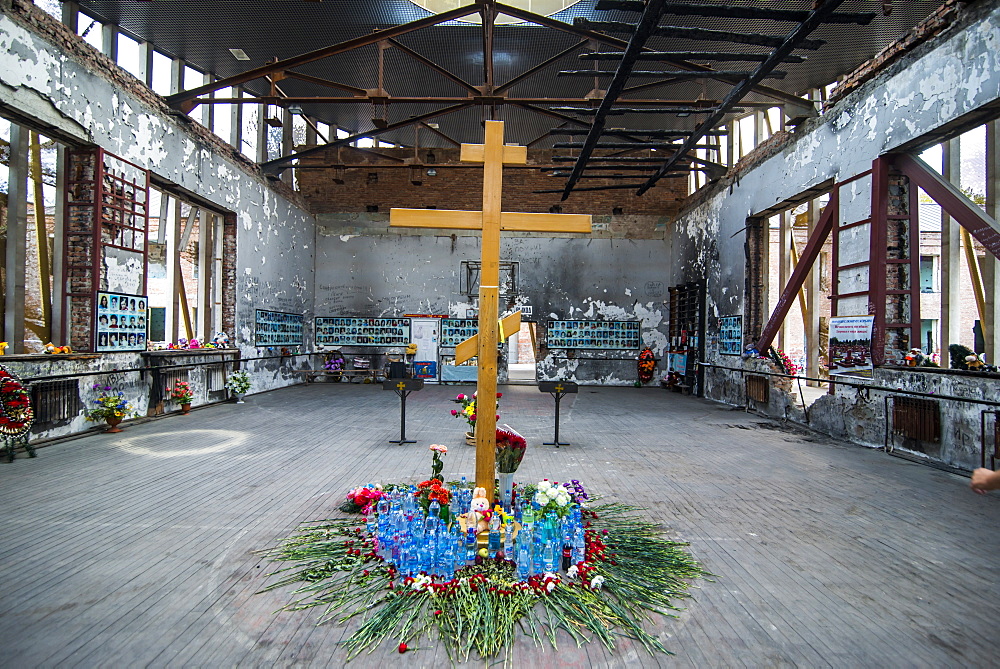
(470, 438)
(186, 408)
(239, 398)
(506, 485)
(112, 422)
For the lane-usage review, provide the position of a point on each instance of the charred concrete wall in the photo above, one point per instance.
(947, 81)
(364, 269)
(53, 81)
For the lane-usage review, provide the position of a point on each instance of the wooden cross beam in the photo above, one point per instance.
(493, 154)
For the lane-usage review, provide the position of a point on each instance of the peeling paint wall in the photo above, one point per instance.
(379, 273)
(48, 74)
(939, 83)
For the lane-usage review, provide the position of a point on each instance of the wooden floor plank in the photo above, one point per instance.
(138, 549)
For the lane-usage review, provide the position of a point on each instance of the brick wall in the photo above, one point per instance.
(373, 181)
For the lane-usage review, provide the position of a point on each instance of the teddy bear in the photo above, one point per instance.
(479, 510)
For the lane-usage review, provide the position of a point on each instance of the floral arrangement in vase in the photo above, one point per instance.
(468, 410)
(238, 383)
(551, 496)
(181, 392)
(510, 450)
(109, 406)
(433, 490)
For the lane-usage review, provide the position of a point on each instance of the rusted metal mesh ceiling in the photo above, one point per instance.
(202, 32)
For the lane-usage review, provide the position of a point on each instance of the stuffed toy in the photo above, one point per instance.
(479, 510)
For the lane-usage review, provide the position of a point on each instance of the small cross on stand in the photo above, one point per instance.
(493, 154)
(402, 387)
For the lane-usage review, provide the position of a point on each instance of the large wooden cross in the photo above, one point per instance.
(493, 154)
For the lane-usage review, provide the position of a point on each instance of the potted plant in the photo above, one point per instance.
(238, 384)
(182, 394)
(111, 408)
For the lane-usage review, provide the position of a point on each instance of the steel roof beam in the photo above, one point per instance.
(278, 164)
(657, 132)
(801, 110)
(689, 55)
(683, 111)
(674, 75)
(181, 100)
(701, 34)
(737, 12)
(791, 42)
(645, 27)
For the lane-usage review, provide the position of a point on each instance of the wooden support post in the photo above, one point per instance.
(172, 312)
(204, 260)
(236, 121)
(812, 302)
(41, 238)
(785, 264)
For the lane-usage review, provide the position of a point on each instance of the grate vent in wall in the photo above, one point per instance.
(56, 400)
(758, 389)
(916, 418)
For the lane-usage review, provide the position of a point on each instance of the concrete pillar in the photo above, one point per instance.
(951, 262)
(287, 143)
(991, 266)
(759, 127)
(262, 152)
(208, 111)
(236, 120)
(109, 41)
(71, 15)
(812, 289)
(176, 75)
(146, 63)
(217, 277)
(784, 267)
(17, 240)
(732, 144)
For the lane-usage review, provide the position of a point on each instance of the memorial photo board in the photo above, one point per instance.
(456, 330)
(606, 335)
(731, 335)
(351, 331)
(121, 322)
(278, 328)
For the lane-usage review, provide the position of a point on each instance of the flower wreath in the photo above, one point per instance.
(16, 415)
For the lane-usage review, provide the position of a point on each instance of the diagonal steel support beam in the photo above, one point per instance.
(423, 60)
(965, 212)
(277, 165)
(184, 98)
(802, 269)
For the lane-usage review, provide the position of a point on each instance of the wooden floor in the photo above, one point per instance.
(137, 549)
